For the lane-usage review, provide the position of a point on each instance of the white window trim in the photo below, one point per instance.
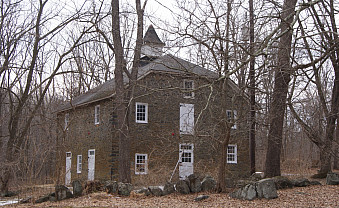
(235, 154)
(97, 114)
(234, 118)
(192, 92)
(146, 164)
(66, 121)
(79, 163)
(146, 113)
(181, 150)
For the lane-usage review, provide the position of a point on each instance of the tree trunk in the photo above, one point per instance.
(122, 116)
(4, 182)
(221, 185)
(252, 90)
(278, 106)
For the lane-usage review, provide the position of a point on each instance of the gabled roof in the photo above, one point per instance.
(166, 63)
(152, 37)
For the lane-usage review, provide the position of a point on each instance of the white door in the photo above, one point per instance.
(68, 168)
(186, 118)
(91, 164)
(186, 160)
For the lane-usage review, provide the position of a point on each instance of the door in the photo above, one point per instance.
(186, 160)
(68, 168)
(91, 164)
(186, 118)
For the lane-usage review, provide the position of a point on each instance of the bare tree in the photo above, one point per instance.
(282, 78)
(21, 60)
(323, 16)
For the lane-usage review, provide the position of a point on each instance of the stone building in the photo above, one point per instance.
(173, 124)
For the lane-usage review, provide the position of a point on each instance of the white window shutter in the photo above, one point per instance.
(186, 118)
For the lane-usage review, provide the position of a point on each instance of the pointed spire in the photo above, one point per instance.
(152, 45)
(152, 37)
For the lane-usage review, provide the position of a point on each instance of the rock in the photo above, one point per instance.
(257, 176)
(111, 187)
(62, 192)
(282, 182)
(182, 187)
(201, 197)
(208, 184)
(93, 186)
(248, 192)
(315, 183)
(266, 189)
(168, 188)
(143, 191)
(26, 200)
(77, 188)
(194, 183)
(301, 182)
(42, 199)
(242, 183)
(155, 190)
(124, 189)
(332, 179)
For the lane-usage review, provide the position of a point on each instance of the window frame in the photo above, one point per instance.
(97, 114)
(79, 163)
(234, 154)
(66, 121)
(145, 113)
(190, 93)
(145, 164)
(230, 119)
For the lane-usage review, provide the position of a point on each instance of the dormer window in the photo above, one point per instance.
(188, 88)
(97, 114)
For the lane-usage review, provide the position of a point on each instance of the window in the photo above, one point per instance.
(232, 153)
(188, 89)
(141, 112)
(231, 118)
(66, 121)
(97, 114)
(79, 164)
(140, 164)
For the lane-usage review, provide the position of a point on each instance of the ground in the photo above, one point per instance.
(312, 196)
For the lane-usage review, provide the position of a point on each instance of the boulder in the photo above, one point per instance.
(168, 188)
(26, 200)
(77, 188)
(182, 187)
(332, 179)
(248, 192)
(62, 192)
(201, 197)
(266, 189)
(282, 182)
(144, 191)
(155, 190)
(301, 182)
(93, 186)
(194, 183)
(42, 199)
(111, 187)
(257, 176)
(124, 189)
(315, 183)
(208, 184)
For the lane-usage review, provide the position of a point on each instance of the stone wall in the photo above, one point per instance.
(160, 137)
